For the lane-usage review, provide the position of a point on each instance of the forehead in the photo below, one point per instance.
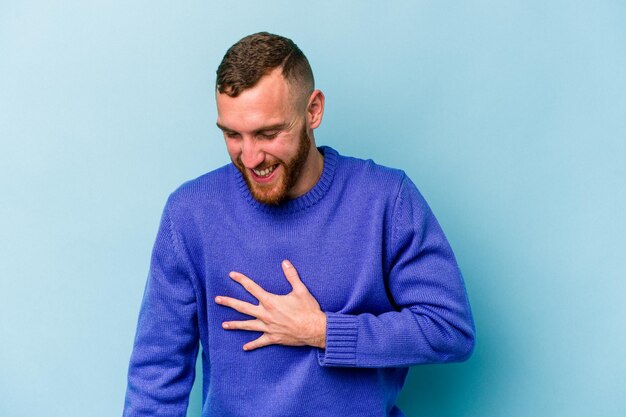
(268, 102)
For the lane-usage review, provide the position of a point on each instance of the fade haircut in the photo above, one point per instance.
(257, 55)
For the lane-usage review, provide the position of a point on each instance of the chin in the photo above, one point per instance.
(273, 195)
(272, 199)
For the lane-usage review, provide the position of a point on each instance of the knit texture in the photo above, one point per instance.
(368, 248)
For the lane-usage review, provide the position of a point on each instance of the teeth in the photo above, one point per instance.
(265, 172)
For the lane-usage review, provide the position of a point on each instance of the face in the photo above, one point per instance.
(270, 185)
(267, 138)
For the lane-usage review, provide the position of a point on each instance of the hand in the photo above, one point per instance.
(295, 319)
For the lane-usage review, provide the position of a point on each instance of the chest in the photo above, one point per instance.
(341, 263)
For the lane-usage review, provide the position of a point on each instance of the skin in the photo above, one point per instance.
(294, 319)
(271, 124)
(263, 126)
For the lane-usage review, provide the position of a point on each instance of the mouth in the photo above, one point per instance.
(264, 175)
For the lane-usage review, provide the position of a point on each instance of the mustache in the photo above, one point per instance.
(260, 167)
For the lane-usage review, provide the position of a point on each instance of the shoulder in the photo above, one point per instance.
(370, 177)
(199, 192)
(376, 185)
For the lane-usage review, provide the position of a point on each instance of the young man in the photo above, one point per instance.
(313, 280)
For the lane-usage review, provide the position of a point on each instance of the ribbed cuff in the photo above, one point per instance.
(341, 340)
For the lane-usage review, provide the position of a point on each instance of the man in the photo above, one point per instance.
(312, 280)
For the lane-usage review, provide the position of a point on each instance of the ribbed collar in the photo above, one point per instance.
(306, 200)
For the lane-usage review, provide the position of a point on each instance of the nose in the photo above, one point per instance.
(251, 153)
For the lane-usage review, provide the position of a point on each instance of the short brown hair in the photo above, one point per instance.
(255, 56)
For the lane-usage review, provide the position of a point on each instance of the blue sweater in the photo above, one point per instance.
(368, 248)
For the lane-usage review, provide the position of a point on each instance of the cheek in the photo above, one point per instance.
(233, 149)
(283, 148)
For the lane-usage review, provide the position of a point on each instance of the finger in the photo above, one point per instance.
(240, 306)
(250, 286)
(292, 275)
(253, 325)
(257, 343)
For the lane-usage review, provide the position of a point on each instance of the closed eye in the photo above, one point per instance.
(268, 135)
(232, 135)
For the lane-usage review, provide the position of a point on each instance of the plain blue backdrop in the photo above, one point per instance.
(509, 116)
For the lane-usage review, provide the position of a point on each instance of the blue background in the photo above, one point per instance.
(509, 116)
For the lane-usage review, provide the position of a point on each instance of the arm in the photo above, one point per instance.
(433, 322)
(162, 364)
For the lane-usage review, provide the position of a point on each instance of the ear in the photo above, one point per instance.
(315, 109)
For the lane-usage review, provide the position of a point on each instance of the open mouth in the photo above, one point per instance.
(265, 173)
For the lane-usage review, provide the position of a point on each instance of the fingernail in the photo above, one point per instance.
(286, 264)
(231, 274)
(245, 348)
(225, 325)
(218, 299)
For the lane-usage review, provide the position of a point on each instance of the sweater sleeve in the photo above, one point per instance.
(162, 363)
(432, 321)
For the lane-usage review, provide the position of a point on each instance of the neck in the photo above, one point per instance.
(311, 172)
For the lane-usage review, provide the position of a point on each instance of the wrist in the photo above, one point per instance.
(318, 337)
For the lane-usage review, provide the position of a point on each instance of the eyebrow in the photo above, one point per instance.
(278, 126)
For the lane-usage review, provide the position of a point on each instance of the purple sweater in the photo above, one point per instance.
(368, 248)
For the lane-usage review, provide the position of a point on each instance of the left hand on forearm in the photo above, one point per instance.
(294, 319)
